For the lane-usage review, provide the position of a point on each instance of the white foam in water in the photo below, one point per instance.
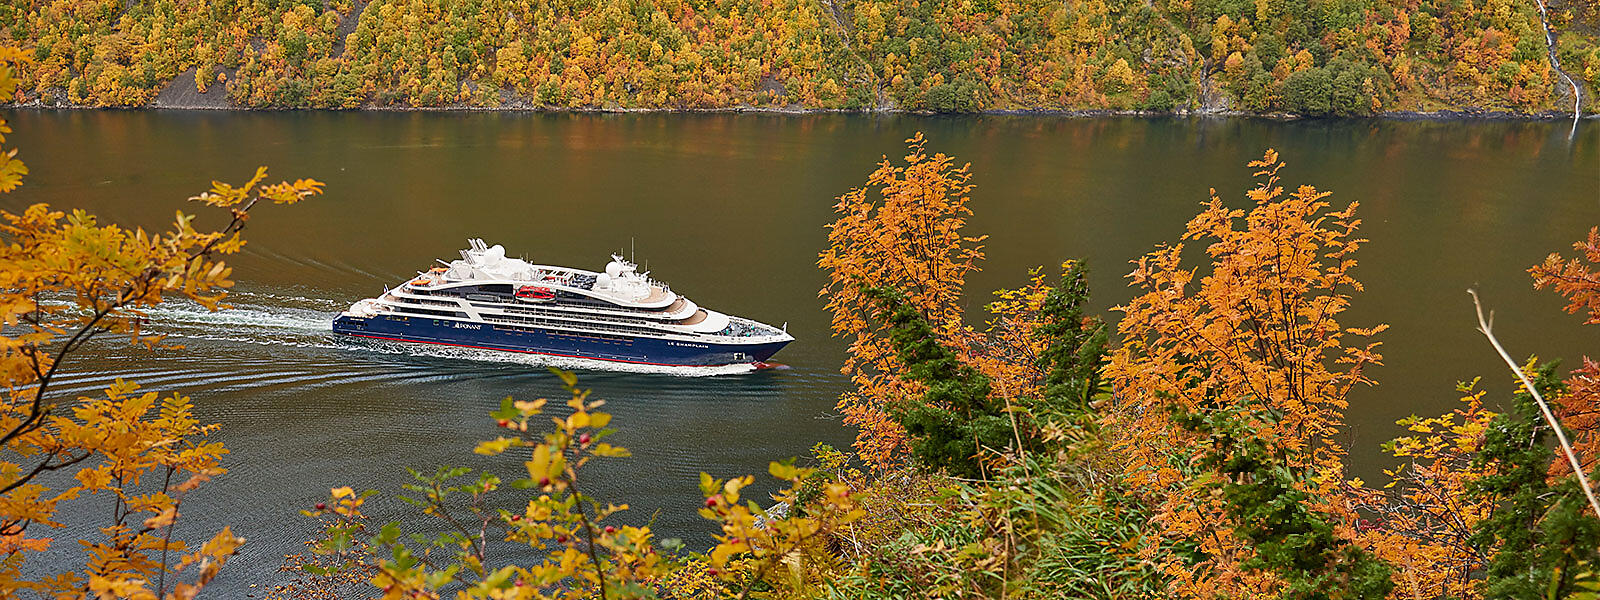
(280, 318)
(327, 304)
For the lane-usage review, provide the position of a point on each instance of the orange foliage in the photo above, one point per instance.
(1579, 406)
(1423, 527)
(139, 454)
(1574, 279)
(940, 55)
(902, 230)
(1011, 346)
(1261, 328)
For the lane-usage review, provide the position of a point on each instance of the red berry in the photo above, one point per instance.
(561, 539)
(516, 517)
(583, 438)
(519, 583)
(712, 571)
(544, 481)
(711, 502)
(504, 423)
(610, 529)
(321, 506)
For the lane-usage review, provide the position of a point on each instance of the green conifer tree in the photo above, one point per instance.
(1543, 532)
(956, 418)
(1077, 344)
(1270, 510)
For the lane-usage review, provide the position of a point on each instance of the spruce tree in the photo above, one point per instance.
(1541, 533)
(955, 418)
(1269, 508)
(1077, 344)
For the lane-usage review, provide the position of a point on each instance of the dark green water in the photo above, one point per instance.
(730, 210)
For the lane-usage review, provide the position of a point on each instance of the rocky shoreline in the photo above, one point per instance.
(216, 99)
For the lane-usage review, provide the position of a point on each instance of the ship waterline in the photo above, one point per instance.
(489, 301)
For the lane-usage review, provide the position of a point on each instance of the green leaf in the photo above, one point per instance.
(389, 534)
(708, 486)
(508, 410)
(567, 377)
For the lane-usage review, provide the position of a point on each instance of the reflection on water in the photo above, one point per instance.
(730, 210)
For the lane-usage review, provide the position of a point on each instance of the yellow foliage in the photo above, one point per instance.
(581, 553)
(65, 278)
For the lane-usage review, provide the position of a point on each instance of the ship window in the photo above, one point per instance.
(491, 288)
(436, 313)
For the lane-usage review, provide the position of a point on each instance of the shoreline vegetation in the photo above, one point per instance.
(1193, 450)
(1392, 58)
(1465, 114)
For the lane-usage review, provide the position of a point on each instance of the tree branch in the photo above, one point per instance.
(1486, 327)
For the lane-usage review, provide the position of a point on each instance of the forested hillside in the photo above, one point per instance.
(1311, 57)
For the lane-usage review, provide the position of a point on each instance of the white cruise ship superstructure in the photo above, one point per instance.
(491, 301)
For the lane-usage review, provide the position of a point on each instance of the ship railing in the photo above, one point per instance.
(575, 316)
(587, 312)
(572, 326)
(582, 320)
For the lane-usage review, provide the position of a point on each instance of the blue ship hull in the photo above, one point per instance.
(639, 350)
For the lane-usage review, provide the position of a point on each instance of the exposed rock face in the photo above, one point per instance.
(181, 93)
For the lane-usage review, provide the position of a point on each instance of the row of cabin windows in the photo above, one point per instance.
(597, 336)
(409, 306)
(505, 291)
(601, 336)
(436, 313)
(564, 323)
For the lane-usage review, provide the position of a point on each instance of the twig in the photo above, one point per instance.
(1485, 326)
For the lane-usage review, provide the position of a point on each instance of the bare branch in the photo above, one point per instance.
(1485, 325)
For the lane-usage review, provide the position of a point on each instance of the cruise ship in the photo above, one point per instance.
(491, 301)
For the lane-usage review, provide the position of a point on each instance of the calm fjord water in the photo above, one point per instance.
(730, 210)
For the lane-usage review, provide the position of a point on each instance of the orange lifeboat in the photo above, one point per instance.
(535, 292)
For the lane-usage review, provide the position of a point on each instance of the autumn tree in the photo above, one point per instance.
(67, 279)
(1481, 505)
(586, 548)
(1424, 520)
(902, 231)
(1270, 509)
(1260, 329)
(1578, 408)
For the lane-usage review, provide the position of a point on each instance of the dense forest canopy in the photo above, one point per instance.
(1335, 57)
